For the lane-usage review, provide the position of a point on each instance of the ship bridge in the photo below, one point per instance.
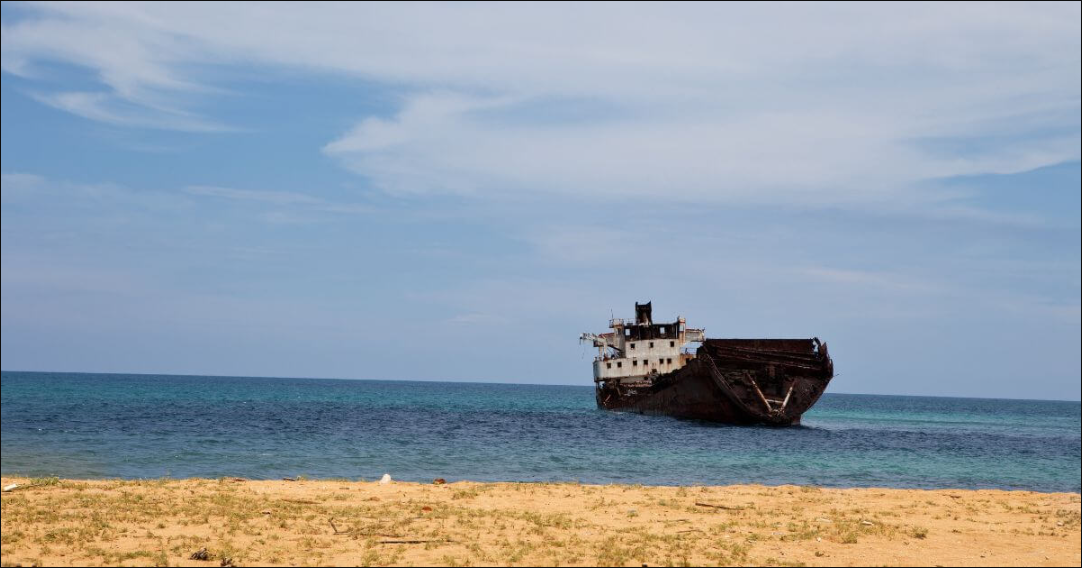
(636, 350)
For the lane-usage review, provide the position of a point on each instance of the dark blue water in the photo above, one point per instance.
(91, 425)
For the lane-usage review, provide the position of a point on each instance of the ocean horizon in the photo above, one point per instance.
(104, 425)
(482, 382)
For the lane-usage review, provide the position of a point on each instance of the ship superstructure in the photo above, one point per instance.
(638, 349)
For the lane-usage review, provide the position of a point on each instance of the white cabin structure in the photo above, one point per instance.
(634, 353)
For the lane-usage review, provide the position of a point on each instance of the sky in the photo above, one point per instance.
(457, 191)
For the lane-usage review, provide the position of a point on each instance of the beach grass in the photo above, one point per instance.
(321, 522)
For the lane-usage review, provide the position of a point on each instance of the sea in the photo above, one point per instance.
(80, 425)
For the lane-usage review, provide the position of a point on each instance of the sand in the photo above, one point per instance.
(330, 522)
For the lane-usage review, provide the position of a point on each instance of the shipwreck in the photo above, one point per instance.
(649, 368)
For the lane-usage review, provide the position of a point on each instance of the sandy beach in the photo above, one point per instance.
(331, 522)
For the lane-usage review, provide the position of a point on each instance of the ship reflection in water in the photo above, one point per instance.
(645, 367)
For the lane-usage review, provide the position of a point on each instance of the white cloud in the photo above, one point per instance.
(268, 196)
(478, 318)
(301, 201)
(33, 188)
(806, 103)
(592, 245)
(871, 280)
(438, 143)
(105, 107)
(20, 182)
(281, 206)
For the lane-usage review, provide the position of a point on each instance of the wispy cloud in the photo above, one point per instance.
(869, 279)
(107, 108)
(286, 198)
(277, 197)
(34, 188)
(18, 181)
(478, 318)
(283, 206)
(802, 155)
(813, 104)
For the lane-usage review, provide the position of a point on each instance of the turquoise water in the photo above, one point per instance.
(101, 425)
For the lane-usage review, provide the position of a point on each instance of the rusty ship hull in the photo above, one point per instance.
(733, 381)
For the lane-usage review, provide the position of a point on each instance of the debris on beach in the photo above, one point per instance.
(201, 554)
(419, 541)
(439, 481)
(386, 479)
(334, 528)
(722, 507)
(36, 483)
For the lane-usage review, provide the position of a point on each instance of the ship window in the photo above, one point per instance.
(608, 365)
(672, 344)
(660, 361)
(669, 360)
(651, 344)
(662, 330)
(632, 345)
(619, 364)
(635, 362)
(627, 332)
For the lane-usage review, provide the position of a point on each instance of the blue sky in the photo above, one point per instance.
(456, 191)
